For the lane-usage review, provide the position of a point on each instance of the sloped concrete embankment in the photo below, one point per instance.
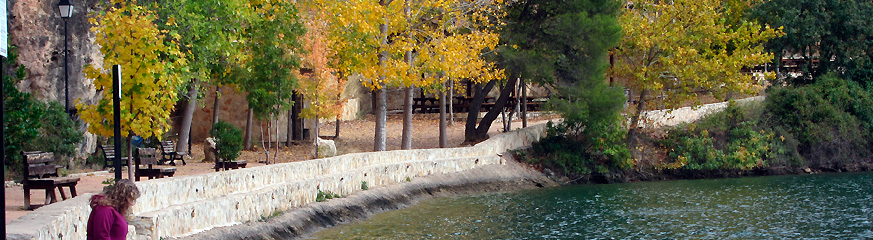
(185, 205)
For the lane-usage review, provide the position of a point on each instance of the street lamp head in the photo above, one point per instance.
(65, 8)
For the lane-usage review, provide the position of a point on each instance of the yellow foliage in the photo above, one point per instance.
(447, 38)
(677, 48)
(129, 37)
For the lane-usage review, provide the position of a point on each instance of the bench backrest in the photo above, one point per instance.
(168, 146)
(109, 151)
(39, 164)
(148, 156)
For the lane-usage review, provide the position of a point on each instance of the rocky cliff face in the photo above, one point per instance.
(37, 30)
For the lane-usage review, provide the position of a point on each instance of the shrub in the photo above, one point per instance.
(590, 137)
(325, 195)
(832, 118)
(228, 140)
(22, 123)
(58, 133)
(731, 139)
(598, 150)
(31, 125)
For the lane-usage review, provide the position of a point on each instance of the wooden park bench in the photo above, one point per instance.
(109, 156)
(169, 153)
(40, 172)
(148, 157)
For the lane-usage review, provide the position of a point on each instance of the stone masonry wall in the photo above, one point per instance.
(186, 205)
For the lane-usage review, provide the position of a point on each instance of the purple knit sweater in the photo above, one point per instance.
(105, 222)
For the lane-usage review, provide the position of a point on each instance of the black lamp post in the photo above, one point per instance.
(66, 10)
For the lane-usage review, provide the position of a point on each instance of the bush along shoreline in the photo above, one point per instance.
(820, 127)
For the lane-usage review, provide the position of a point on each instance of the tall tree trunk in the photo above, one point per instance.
(295, 116)
(381, 111)
(479, 93)
(247, 139)
(289, 131)
(473, 133)
(443, 141)
(187, 117)
(505, 123)
(336, 134)
(264, 145)
(381, 120)
(339, 96)
(315, 139)
(406, 135)
(518, 100)
(451, 100)
(406, 138)
(215, 105)
(130, 169)
(635, 120)
(524, 104)
(276, 156)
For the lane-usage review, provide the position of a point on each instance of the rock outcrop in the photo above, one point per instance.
(37, 32)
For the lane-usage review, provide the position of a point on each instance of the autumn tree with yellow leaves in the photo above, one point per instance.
(394, 43)
(673, 49)
(128, 36)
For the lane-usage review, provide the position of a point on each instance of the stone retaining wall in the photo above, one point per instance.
(186, 205)
(667, 118)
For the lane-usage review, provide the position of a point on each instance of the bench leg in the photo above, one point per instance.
(27, 198)
(50, 196)
(61, 190)
(73, 190)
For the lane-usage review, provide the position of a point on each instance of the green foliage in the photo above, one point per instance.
(364, 185)
(207, 29)
(325, 195)
(109, 182)
(408, 179)
(31, 125)
(831, 118)
(565, 45)
(560, 42)
(738, 138)
(269, 77)
(574, 155)
(821, 29)
(742, 148)
(58, 133)
(22, 123)
(228, 140)
(275, 213)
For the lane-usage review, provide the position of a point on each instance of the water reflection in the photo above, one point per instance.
(829, 206)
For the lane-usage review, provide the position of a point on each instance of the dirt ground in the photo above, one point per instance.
(355, 136)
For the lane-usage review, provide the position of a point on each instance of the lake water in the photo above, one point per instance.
(823, 206)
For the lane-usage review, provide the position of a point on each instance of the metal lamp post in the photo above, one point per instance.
(66, 10)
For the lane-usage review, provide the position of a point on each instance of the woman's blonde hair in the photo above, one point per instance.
(120, 196)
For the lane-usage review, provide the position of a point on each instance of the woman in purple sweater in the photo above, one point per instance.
(110, 209)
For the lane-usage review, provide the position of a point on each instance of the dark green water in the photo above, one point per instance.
(825, 206)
